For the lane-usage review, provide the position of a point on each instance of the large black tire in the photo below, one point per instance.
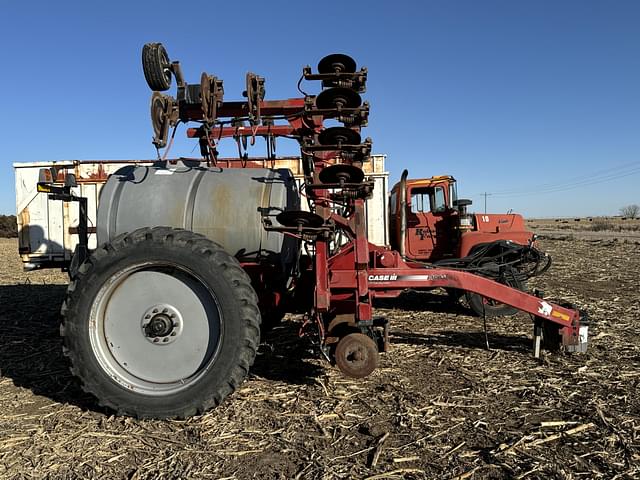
(94, 330)
(155, 65)
(482, 306)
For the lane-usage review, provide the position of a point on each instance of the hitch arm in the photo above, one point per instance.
(398, 279)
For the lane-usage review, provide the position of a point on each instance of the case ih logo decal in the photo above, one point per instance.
(407, 278)
(383, 278)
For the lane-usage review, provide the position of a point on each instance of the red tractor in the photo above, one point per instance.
(163, 319)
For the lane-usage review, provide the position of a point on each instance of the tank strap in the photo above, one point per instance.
(265, 207)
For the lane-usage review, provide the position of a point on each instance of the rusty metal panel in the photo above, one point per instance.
(47, 228)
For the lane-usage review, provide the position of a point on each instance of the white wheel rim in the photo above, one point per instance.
(155, 328)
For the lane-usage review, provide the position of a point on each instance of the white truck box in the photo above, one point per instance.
(47, 229)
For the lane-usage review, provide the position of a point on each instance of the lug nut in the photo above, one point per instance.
(165, 340)
(156, 340)
(164, 310)
(173, 334)
(155, 310)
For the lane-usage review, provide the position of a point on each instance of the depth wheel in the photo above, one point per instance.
(341, 173)
(551, 336)
(337, 98)
(160, 323)
(300, 219)
(337, 63)
(156, 67)
(339, 136)
(356, 355)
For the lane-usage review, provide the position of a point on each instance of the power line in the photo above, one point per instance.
(571, 186)
(577, 182)
(607, 171)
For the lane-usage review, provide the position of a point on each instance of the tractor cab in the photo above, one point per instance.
(428, 222)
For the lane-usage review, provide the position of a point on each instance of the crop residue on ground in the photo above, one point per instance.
(440, 406)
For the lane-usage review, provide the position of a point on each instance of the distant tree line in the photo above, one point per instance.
(8, 226)
(630, 211)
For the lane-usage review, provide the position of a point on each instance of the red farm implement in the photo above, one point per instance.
(195, 256)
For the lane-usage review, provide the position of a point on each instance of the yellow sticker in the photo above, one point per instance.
(561, 315)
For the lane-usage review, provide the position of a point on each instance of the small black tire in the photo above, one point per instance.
(156, 67)
(481, 306)
(219, 283)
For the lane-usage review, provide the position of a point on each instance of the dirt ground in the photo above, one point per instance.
(589, 228)
(442, 405)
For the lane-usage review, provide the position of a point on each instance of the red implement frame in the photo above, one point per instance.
(347, 281)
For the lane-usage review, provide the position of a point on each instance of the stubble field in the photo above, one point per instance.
(441, 405)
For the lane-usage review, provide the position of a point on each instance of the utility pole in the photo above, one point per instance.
(485, 195)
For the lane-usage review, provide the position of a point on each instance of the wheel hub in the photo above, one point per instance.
(162, 324)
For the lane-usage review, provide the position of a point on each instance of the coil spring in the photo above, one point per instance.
(351, 194)
(346, 83)
(347, 119)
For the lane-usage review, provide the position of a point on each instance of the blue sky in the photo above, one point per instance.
(513, 98)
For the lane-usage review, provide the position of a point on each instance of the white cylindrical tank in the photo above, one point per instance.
(225, 205)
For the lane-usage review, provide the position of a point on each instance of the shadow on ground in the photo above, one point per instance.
(284, 356)
(475, 340)
(30, 343)
(432, 301)
(31, 347)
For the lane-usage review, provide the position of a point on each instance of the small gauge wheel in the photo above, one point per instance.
(337, 63)
(339, 136)
(156, 66)
(299, 218)
(338, 98)
(356, 355)
(161, 106)
(208, 103)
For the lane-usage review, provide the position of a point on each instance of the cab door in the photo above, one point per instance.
(427, 236)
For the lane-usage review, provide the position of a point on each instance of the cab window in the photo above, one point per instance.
(438, 203)
(425, 199)
(453, 192)
(420, 199)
